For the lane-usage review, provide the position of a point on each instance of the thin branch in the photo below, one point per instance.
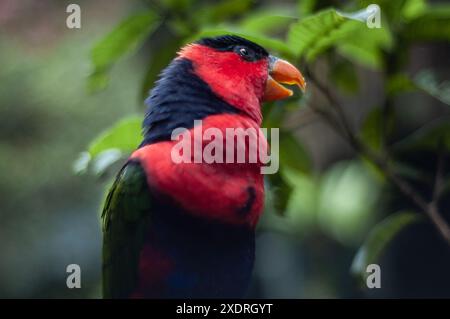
(340, 124)
(429, 208)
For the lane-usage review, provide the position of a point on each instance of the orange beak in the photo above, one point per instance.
(282, 72)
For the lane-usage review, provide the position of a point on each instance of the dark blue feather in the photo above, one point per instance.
(179, 98)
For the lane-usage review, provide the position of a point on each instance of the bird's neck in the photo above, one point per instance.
(179, 98)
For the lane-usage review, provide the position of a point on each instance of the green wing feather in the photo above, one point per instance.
(125, 220)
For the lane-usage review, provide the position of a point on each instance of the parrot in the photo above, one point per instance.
(187, 230)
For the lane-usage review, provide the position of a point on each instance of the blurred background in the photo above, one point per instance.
(71, 101)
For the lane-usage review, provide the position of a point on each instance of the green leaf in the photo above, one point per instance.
(373, 126)
(281, 192)
(432, 136)
(413, 9)
(399, 83)
(371, 131)
(177, 5)
(271, 44)
(306, 7)
(292, 158)
(292, 153)
(317, 33)
(110, 146)
(361, 55)
(105, 160)
(303, 200)
(221, 11)
(379, 238)
(124, 39)
(124, 136)
(267, 21)
(426, 80)
(273, 114)
(344, 76)
(97, 81)
(365, 46)
(433, 24)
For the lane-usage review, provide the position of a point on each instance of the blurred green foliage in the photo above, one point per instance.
(47, 118)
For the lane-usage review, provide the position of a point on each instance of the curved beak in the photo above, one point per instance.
(282, 72)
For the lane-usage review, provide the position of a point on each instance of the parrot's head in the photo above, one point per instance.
(241, 72)
(225, 74)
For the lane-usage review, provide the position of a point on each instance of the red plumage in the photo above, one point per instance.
(215, 191)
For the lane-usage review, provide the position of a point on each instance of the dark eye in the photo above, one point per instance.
(243, 51)
(246, 53)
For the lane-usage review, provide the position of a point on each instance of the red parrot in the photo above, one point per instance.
(187, 230)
